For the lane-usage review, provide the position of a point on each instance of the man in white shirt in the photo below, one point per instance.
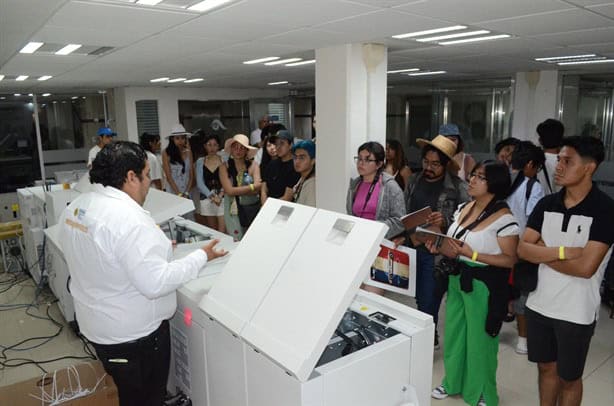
(255, 136)
(105, 136)
(122, 278)
(569, 234)
(550, 134)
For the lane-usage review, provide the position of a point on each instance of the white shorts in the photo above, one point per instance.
(208, 208)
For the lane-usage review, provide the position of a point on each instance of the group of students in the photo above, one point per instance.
(232, 183)
(500, 215)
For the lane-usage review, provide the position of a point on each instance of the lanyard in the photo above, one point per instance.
(369, 193)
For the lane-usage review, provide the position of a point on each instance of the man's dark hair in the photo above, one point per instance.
(147, 139)
(550, 133)
(270, 130)
(497, 177)
(527, 152)
(586, 146)
(443, 158)
(115, 160)
(506, 142)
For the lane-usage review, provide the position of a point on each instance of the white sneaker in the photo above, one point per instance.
(521, 346)
(481, 402)
(439, 393)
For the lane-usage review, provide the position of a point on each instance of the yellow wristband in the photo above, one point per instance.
(562, 253)
(251, 186)
(474, 257)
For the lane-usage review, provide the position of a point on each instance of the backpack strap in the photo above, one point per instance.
(530, 184)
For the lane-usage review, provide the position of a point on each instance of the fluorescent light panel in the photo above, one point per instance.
(45, 77)
(176, 80)
(159, 80)
(278, 83)
(436, 72)
(46, 94)
(282, 61)
(267, 59)
(194, 80)
(68, 49)
(429, 32)
(17, 94)
(1, 77)
(463, 41)
(450, 36)
(404, 70)
(556, 58)
(31, 47)
(21, 78)
(148, 2)
(586, 62)
(301, 63)
(207, 5)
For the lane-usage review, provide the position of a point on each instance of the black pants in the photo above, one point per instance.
(139, 368)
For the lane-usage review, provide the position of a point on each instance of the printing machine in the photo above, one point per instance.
(285, 323)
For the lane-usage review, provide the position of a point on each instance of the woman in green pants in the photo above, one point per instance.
(477, 289)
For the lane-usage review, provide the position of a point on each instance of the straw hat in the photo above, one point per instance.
(443, 144)
(243, 140)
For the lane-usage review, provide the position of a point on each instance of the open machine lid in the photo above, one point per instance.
(256, 262)
(291, 279)
(164, 206)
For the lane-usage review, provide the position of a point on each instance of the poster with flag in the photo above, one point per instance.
(394, 269)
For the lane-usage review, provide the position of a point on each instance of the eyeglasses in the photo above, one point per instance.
(360, 160)
(433, 164)
(482, 178)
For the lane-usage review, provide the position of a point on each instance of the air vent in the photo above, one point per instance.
(100, 51)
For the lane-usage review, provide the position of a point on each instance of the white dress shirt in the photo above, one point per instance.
(92, 155)
(155, 167)
(122, 278)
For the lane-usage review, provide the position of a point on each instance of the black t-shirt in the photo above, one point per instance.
(593, 215)
(278, 176)
(426, 194)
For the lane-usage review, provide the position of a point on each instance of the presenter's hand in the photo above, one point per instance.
(213, 253)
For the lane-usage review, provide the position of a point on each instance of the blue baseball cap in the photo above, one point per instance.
(449, 129)
(307, 145)
(102, 131)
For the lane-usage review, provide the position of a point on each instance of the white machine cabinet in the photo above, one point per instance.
(286, 322)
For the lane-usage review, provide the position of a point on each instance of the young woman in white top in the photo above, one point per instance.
(177, 163)
(151, 145)
(477, 288)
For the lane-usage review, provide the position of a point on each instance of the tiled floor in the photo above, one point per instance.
(516, 377)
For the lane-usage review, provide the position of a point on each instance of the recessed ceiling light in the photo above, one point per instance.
(30, 94)
(429, 32)
(149, 2)
(46, 94)
(462, 41)
(301, 63)
(2, 98)
(84, 97)
(282, 61)
(74, 97)
(17, 94)
(45, 77)
(556, 58)
(435, 72)
(457, 35)
(284, 82)
(207, 5)
(586, 62)
(404, 70)
(55, 101)
(159, 80)
(21, 78)
(261, 60)
(1, 77)
(176, 80)
(194, 80)
(70, 48)
(31, 47)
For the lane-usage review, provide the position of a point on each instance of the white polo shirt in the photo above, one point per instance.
(122, 278)
(560, 296)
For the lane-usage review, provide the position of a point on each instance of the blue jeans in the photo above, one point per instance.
(427, 296)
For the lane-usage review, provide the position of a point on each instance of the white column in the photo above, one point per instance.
(351, 89)
(535, 99)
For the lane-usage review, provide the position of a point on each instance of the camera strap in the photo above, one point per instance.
(492, 207)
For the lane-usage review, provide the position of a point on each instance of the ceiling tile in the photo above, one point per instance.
(585, 3)
(605, 9)
(44, 64)
(474, 11)
(593, 36)
(563, 21)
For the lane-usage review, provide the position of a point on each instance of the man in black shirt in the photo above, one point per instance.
(279, 176)
(438, 188)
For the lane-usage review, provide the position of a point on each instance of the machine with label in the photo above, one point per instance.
(286, 323)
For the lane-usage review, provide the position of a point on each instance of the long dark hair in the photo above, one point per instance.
(378, 152)
(175, 156)
(399, 160)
